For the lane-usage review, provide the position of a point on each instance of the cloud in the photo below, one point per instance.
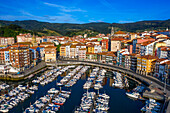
(93, 20)
(59, 18)
(25, 13)
(65, 9)
(106, 3)
(125, 21)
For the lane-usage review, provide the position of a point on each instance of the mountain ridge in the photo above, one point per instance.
(100, 27)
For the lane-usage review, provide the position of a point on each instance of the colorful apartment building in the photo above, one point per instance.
(101, 57)
(41, 52)
(105, 45)
(146, 48)
(73, 51)
(19, 57)
(111, 58)
(97, 48)
(163, 52)
(120, 54)
(4, 41)
(91, 56)
(127, 61)
(24, 37)
(144, 64)
(90, 48)
(65, 50)
(139, 41)
(116, 44)
(50, 53)
(156, 45)
(133, 65)
(82, 54)
(34, 56)
(4, 56)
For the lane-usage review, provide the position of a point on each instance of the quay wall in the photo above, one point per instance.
(25, 74)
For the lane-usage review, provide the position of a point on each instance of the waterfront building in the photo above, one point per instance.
(120, 53)
(41, 52)
(116, 44)
(139, 64)
(65, 50)
(50, 53)
(111, 58)
(153, 68)
(34, 56)
(73, 51)
(4, 56)
(163, 69)
(133, 65)
(101, 57)
(144, 64)
(82, 54)
(122, 63)
(91, 56)
(90, 48)
(105, 45)
(127, 61)
(4, 41)
(19, 57)
(97, 48)
(156, 70)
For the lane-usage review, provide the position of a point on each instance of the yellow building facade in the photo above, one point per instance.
(90, 48)
(50, 54)
(144, 64)
(62, 50)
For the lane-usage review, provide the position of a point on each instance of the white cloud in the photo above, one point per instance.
(59, 18)
(65, 9)
(126, 21)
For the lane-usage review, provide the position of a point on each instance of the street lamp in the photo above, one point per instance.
(166, 73)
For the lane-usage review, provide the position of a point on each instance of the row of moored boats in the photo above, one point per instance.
(49, 103)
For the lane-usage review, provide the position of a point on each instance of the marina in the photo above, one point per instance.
(48, 86)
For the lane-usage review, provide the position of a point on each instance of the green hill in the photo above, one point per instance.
(46, 28)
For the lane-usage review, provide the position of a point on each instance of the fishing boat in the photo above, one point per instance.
(53, 90)
(134, 95)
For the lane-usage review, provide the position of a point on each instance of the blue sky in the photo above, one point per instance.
(85, 11)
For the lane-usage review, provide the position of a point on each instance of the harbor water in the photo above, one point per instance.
(119, 102)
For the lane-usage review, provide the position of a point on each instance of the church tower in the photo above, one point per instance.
(112, 31)
(34, 42)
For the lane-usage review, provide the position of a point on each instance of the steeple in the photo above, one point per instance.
(112, 31)
(34, 42)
